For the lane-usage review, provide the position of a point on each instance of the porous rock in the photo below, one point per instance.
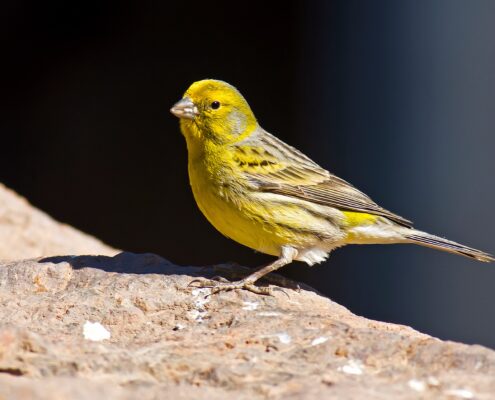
(26, 232)
(171, 341)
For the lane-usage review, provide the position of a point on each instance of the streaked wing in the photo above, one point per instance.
(275, 167)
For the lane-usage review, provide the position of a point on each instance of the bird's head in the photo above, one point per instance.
(214, 110)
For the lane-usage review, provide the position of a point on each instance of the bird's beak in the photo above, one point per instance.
(185, 108)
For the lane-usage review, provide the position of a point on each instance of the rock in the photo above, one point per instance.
(26, 232)
(170, 341)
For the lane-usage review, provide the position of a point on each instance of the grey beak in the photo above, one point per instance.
(185, 108)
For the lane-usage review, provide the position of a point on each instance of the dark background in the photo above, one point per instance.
(396, 97)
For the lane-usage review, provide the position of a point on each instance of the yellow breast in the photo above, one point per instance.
(229, 213)
(257, 220)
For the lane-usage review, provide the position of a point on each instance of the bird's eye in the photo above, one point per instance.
(215, 105)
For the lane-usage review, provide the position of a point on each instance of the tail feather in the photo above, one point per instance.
(436, 242)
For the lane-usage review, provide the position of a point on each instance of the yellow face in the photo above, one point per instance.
(214, 110)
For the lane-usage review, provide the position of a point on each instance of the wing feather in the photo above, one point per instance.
(289, 172)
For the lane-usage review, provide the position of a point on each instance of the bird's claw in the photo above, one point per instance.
(220, 284)
(240, 285)
(207, 283)
(279, 289)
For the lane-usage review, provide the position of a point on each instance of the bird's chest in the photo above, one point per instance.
(215, 191)
(223, 200)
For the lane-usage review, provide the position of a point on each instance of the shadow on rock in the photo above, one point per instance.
(148, 263)
(129, 263)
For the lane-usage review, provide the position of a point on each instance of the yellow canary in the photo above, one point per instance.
(266, 195)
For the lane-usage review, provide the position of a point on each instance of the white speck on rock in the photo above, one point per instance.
(353, 367)
(179, 327)
(201, 299)
(318, 340)
(197, 315)
(95, 331)
(250, 305)
(200, 303)
(284, 338)
(201, 291)
(432, 381)
(461, 393)
(417, 385)
(268, 314)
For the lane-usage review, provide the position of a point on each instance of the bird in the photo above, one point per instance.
(269, 196)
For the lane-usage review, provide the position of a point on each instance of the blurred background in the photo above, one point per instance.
(396, 97)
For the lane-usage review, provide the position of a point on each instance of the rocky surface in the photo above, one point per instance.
(26, 232)
(165, 340)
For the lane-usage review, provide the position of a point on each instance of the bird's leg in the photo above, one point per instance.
(287, 255)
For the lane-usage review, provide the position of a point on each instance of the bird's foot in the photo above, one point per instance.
(235, 271)
(220, 284)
